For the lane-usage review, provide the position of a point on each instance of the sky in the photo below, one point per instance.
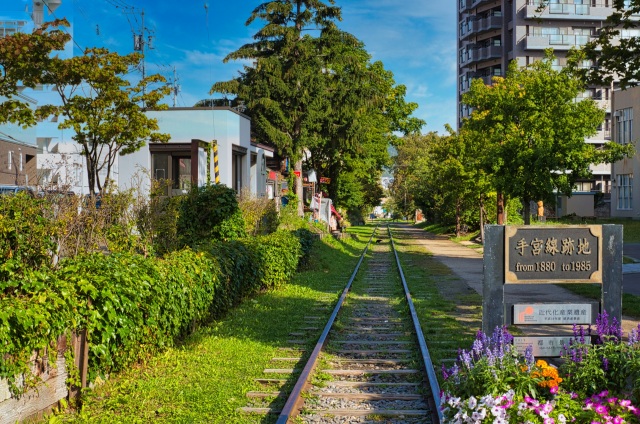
(414, 39)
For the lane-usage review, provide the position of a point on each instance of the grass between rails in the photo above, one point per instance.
(450, 313)
(205, 380)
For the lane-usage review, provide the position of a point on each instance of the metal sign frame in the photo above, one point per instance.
(546, 254)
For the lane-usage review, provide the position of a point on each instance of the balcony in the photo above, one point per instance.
(479, 26)
(464, 5)
(556, 41)
(490, 52)
(476, 3)
(569, 11)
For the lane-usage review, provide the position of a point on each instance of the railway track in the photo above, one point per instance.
(371, 363)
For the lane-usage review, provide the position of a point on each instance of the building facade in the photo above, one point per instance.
(492, 33)
(626, 104)
(207, 144)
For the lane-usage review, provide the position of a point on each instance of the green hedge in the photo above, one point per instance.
(132, 305)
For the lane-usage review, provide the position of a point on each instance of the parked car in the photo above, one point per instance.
(14, 189)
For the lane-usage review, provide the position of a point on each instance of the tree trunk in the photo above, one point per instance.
(500, 208)
(458, 226)
(527, 212)
(299, 188)
(482, 219)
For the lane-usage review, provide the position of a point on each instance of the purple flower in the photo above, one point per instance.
(528, 356)
(601, 409)
(553, 390)
(605, 363)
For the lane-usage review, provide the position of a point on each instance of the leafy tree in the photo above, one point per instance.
(102, 107)
(284, 86)
(23, 60)
(440, 174)
(533, 131)
(365, 109)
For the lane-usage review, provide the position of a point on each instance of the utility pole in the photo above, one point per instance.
(141, 43)
(176, 87)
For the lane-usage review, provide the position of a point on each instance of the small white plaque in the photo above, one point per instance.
(543, 346)
(552, 313)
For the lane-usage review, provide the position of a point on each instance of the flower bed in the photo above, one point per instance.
(597, 382)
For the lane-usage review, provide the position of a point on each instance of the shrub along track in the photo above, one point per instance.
(370, 364)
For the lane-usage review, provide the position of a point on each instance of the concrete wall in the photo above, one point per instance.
(580, 204)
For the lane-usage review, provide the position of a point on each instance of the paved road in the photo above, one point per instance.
(467, 264)
(631, 272)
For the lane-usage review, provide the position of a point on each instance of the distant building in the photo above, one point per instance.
(492, 33)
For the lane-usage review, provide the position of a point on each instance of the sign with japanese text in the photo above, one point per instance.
(544, 346)
(570, 254)
(325, 180)
(552, 313)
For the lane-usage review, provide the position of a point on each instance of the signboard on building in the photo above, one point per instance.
(541, 254)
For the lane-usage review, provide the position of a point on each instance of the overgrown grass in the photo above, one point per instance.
(445, 305)
(206, 379)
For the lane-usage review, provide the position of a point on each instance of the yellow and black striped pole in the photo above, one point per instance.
(216, 170)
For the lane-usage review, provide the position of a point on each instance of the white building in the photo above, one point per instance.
(188, 157)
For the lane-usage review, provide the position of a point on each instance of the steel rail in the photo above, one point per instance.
(424, 350)
(295, 397)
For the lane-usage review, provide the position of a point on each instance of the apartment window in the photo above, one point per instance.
(629, 33)
(624, 125)
(9, 159)
(625, 192)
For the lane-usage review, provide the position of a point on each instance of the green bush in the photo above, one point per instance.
(241, 273)
(117, 306)
(260, 214)
(186, 291)
(278, 254)
(307, 238)
(133, 306)
(202, 213)
(157, 222)
(39, 310)
(27, 235)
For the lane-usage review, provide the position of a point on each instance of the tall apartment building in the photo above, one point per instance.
(492, 33)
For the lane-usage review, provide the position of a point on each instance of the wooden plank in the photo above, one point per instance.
(279, 371)
(249, 410)
(39, 399)
(361, 372)
(367, 412)
(357, 384)
(261, 395)
(372, 361)
(371, 351)
(369, 396)
(374, 342)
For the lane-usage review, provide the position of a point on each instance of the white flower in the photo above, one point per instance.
(473, 402)
(562, 419)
